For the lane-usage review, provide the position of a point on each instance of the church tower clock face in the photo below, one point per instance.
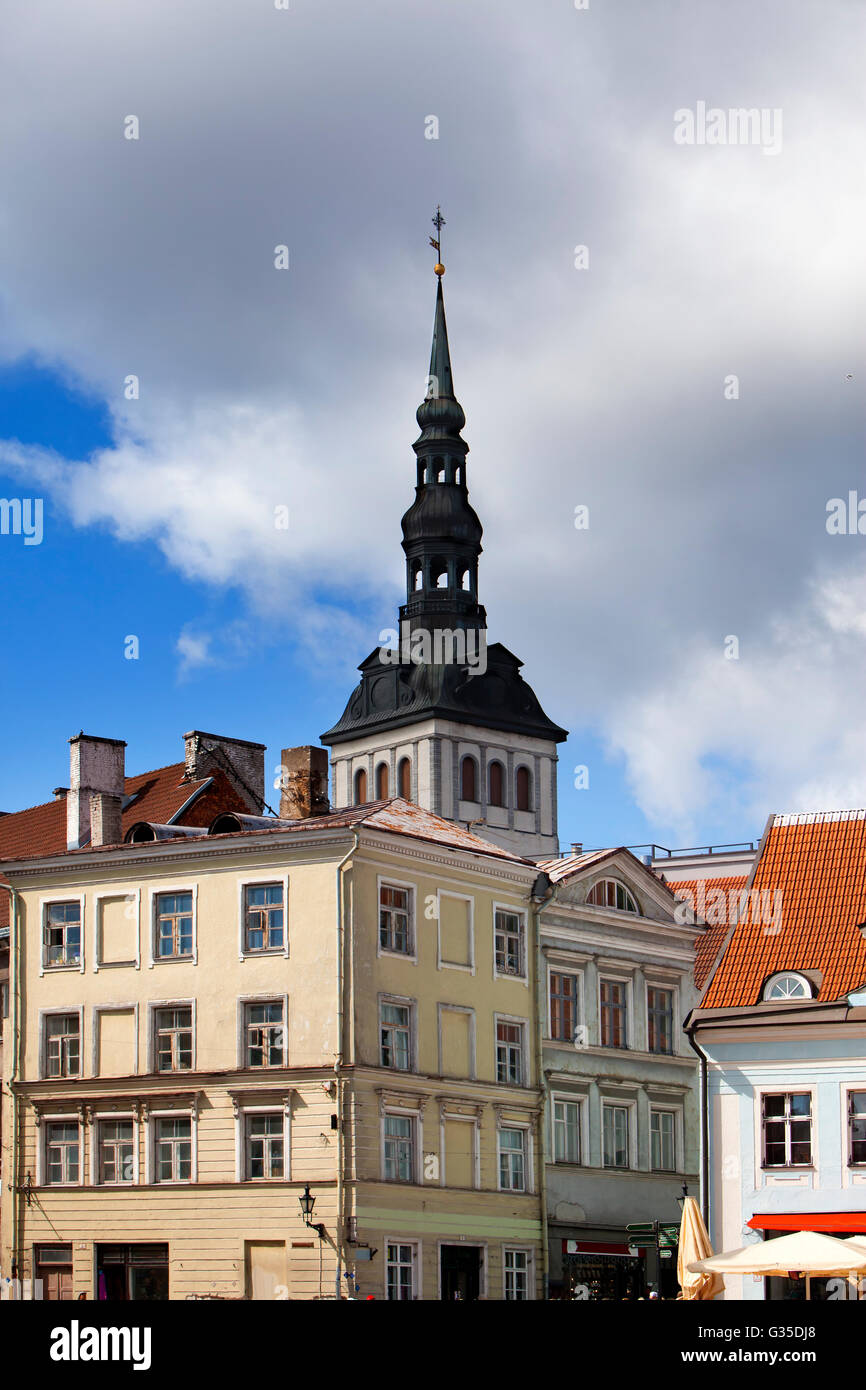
(441, 716)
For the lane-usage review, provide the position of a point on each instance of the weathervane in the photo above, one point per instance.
(438, 222)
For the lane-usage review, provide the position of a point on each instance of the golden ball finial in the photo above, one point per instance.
(439, 269)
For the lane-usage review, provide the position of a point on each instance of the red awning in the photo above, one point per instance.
(849, 1222)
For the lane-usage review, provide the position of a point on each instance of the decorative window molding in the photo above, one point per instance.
(613, 894)
(510, 945)
(154, 1007)
(76, 1011)
(390, 919)
(168, 891)
(245, 1024)
(46, 949)
(262, 881)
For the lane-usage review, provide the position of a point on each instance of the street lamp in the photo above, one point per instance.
(308, 1201)
(681, 1201)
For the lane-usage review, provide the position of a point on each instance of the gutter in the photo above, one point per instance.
(15, 1029)
(705, 1124)
(338, 1064)
(537, 901)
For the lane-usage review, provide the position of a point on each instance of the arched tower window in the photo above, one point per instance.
(469, 779)
(495, 784)
(360, 787)
(608, 892)
(382, 782)
(417, 577)
(439, 573)
(466, 581)
(404, 779)
(523, 788)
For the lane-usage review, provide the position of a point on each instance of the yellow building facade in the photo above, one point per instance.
(205, 1031)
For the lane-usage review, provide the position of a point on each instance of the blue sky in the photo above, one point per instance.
(600, 385)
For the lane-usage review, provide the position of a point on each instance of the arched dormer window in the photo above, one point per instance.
(469, 779)
(523, 789)
(495, 784)
(382, 782)
(609, 892)
(787, 985)
(404, 779)
(360, 787)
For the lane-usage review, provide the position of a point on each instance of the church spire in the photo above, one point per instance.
(441, 532)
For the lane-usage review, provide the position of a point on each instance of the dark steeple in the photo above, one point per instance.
(441, 532)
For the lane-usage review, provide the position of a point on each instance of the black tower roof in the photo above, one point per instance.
(442, 543)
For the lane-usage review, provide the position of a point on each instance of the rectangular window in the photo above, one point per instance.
(857, 1125)
(174, 1149)
(265, 1035)
(660, 1020)
(62, 1045)
(63, 934)
(509, 1053)
(4, 1003)
(509, 942)
(399, 1148)
(173, 925)
(612, 994)
(400, 1270)
(173, 1038)
(62, 1153)
(516, 1269)
(787, 1122)
(395, 919)
(265, 1146)
(563, 1006)
(615, 1136)
(395, 1035)
(512, 1160)
(116, 1160)
(264, 926)
(566, 1131)
(663, 1148)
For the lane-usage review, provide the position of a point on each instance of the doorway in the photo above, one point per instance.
(266, 1270)
(460, 1271)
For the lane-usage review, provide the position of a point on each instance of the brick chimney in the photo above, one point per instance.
(105, 818)
(96, 767)
(303, 783)
(242, 762)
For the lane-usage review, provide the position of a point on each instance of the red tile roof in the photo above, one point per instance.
(812, 869)
(156, 796)
(708, 945)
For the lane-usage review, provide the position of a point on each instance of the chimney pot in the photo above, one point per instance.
(577, 847)
(95, 765)
(304, 783)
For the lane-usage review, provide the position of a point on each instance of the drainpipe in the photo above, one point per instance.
(338, 1064)
(15, 1029)
(704, 1127)
(537, 902)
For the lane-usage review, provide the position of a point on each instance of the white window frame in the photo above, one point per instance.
(529, 1252)
(413, 1114)
(605, 907)
(280, 1105)
(569, 1098)
(244, 1001)
(630, 1105)
(417, 1266)
(475, 1122)
(44, 903)
(58, 1118)
(846, 1089)
(133, 895)
(794, 975)
(387, 881)
(473, 1055)
(441, 962)
(163, 891)
(180, 1113)
(101, 1117)
(258, 881)
(606, 976)
(528, 1160)
(677, 1112)
(404, 1002)
(44, 1015)
(523, 977)
(579, 972)
(98, 1011)
(153, 1008)
(524, 1049)
(790, 1088)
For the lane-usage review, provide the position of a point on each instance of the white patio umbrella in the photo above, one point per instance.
(802, 1252)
